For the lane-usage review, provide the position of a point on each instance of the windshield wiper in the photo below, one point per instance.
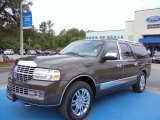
(73, 53)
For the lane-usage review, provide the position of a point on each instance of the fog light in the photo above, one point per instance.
(36, 93)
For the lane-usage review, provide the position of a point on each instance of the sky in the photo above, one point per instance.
(97, 15)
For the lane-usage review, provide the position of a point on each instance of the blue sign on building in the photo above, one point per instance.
(27, 20)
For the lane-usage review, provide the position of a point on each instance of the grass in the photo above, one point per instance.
(5, 64)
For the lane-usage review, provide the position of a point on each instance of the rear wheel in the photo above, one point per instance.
(140, 85)
(77, 101)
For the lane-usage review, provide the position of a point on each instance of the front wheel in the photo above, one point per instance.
(77, 101)
(140, 85)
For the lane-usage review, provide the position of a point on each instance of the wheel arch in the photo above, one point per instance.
(86, 78)
(144, 71)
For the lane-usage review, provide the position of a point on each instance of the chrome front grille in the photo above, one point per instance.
(23, 74)
(27, 92)
(19, 90)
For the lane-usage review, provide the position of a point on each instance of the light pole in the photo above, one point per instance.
(21, 29)
(29, 41)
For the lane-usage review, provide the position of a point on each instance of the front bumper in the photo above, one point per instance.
(41, 93)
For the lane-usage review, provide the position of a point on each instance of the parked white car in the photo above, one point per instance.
(24, 52)
(8, 52)
(31, 52)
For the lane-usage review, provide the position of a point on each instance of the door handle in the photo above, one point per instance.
(119, 65)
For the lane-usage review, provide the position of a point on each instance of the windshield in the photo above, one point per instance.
(83, 48)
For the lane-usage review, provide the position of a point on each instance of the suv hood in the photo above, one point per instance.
(57, 60)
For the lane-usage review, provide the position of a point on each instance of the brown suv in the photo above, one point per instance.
(80, 72)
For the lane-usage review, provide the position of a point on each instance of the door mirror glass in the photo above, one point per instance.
(114, 54)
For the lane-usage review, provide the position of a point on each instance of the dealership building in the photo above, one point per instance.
(145, 28)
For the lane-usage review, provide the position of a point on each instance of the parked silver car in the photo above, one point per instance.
(8, 52)
(156, 57)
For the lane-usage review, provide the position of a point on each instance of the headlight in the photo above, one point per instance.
(153, 58)
(46, 74)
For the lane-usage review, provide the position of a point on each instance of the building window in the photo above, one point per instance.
(92, 37)
(89, 37)
(122, 37)
(115, 37)
(111, 37)
(96, 37)
(108, 37)
(101, 37)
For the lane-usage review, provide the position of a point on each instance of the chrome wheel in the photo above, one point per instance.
(142, 82)
(80, 102)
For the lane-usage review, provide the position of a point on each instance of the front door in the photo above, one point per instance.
(111, 70)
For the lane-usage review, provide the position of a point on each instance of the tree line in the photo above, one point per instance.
(43, 38)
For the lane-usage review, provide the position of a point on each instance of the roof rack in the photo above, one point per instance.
(125, 40)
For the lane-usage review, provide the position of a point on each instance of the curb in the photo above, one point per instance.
(153, 90)
(3, 69)
(3, 88)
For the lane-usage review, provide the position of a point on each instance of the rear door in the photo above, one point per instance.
(130, 65)
(142, 57)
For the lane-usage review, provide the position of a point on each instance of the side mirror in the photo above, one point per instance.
(109, 58)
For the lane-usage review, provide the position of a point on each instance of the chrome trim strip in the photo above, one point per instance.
(23, 73)
(71, 82)
(106, 85)
(121, 60)
(120, 51)
(27, 63)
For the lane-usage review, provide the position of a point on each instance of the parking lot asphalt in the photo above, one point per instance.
(122, 105)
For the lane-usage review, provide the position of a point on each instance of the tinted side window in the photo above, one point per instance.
(139, 51)
(126, 51)
(112, 49)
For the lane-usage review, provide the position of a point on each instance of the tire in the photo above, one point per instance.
(140, 85)
(69, 104)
